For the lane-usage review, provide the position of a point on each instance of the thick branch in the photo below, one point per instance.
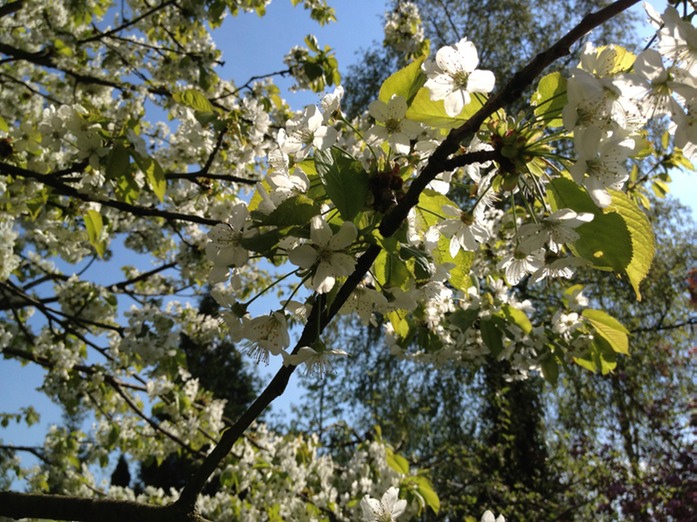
(54, 507)
(103, 510)
(10, 8)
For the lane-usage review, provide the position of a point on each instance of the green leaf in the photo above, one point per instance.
(3, 125)
(492, 332)
(425, 489)
(429, 211)
(463, 319)
(460, 273)
(599, 358)
(396, 461)
(297, 210)
(550, 368)
(94, 226)
(432, 113)
(619, 238)
(390, 271)
(605, 241)
(117, 162)
(263, 242)
(400, 324)
(405, 83)
(194, 100)
(153, 173)
(344, 180)
(118, 168)
(609, 329)
(641, 233)
(549, 99)
(517, 317)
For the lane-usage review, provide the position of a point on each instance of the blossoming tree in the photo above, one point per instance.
(319, 214)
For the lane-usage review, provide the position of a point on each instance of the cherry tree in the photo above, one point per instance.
(315, 213)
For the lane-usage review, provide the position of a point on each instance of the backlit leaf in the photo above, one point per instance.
(432, 113)
(549, 99)
(344, 180)
(405, 83)
(194, 100)
(94, 225)
(610, 329)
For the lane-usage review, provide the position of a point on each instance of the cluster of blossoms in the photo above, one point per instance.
(609, 104)
(403, 29)
(319, 164)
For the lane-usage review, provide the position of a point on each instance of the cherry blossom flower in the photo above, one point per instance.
(325, 253)
(363, 301)
(555, 230)
(678, 40)
(520, 264)
(649, 83)
(267, 334)
(686, 127)
(454, 75)
(225, 248)
(562, 267)
(463, 228)
(386, 509)
(394, 128)
(601, 162)
(331, 103)
(306, 131)
(315, 362)
(488, 516)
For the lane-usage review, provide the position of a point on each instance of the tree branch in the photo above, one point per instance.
(437, 163)
(24, 505)
(66, 190)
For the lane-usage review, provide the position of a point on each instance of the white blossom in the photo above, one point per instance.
(454, 75)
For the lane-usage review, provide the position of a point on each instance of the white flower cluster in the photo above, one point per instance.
(86, 301)
(403, 29)
(9, 261)
(608, 107)
(292, 477)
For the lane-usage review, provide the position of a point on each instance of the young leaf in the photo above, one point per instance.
(609, 329)
(549, 99)
(405, 83)
(153, 173)
(194, 100)
(94, 226)
(517, 317)
(396, 461)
